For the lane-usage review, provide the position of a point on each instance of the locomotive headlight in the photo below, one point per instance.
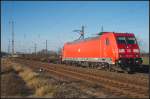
(137, 55)
(136, 61)
(121, 50)
(119, 61)
(136, 50)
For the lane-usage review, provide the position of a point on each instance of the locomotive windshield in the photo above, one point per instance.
(126, 40)
(121, 40)
(131, 40)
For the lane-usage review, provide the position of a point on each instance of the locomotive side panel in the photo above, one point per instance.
(109, 47)
(99, 49)
(83, 49)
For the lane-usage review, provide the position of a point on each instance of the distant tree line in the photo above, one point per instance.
(4, 54)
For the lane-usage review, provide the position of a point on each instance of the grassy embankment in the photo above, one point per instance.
(19, 78)
(145, 60)
(33, 80)
(12, 85)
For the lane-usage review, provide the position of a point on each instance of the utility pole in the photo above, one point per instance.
(35, 48)
(8, 46)
(12, 30)
(46, 47)
(11, 22)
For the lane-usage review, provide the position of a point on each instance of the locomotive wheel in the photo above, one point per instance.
(113, 68)
(110, 68)
(92, 65)
(89, 65)
(107, 67)
(128, 70)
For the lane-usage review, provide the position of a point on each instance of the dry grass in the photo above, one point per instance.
(45, 90)
(5, 66)
(28, 75)
(145, 60)
(34, 81)
(18, 68)
(11, 83)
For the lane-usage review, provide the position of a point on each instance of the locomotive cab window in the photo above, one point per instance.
(131, 40)
(121, 40)
(107, 41)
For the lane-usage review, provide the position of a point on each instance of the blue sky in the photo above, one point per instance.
(37, 21)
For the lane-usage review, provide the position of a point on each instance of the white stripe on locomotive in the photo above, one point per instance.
(108, 60)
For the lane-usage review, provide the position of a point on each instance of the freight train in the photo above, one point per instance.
(109, 51)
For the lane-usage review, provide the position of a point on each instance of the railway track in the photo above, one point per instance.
(118, 87)
(142, 81)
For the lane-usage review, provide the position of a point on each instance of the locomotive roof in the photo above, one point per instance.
(80, 40)
(90, 38)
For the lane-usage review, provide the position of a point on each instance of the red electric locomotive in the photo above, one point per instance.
(108, 50)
